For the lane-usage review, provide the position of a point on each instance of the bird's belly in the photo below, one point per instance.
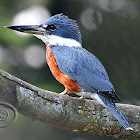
(70, 85)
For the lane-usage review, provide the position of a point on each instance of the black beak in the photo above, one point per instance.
(31, 29)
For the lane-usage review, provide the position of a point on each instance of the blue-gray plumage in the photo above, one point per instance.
(68, 28)
(88, 72)
(72, 65)
(83, 67)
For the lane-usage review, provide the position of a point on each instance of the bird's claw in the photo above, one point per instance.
(81, 98)
(63, 93)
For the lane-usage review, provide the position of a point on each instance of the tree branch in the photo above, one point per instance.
(69, 113)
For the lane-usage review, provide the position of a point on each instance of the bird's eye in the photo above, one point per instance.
(51, 27)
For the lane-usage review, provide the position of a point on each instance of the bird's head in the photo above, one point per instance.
(58, 29)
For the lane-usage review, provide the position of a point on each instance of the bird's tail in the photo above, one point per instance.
(112, 107)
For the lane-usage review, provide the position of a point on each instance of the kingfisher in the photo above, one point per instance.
(72, 65)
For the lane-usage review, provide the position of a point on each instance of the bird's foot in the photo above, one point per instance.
(64, 92)
(81, 98)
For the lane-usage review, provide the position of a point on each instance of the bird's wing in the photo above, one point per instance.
(85, 69)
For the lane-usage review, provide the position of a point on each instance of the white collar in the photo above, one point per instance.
(56, 40)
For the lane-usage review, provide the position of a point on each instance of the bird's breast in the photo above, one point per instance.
(70, 85)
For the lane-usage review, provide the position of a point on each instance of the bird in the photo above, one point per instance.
(72, 65)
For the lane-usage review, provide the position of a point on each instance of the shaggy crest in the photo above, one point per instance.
(68, 28)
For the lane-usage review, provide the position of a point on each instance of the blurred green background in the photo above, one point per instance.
(110, 30)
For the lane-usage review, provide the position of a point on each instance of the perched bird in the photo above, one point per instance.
(73, 66)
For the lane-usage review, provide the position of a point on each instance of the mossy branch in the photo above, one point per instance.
(69, 113)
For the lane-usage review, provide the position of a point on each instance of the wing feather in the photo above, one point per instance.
(84, 68)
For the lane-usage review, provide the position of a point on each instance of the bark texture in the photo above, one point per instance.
(69, 113)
